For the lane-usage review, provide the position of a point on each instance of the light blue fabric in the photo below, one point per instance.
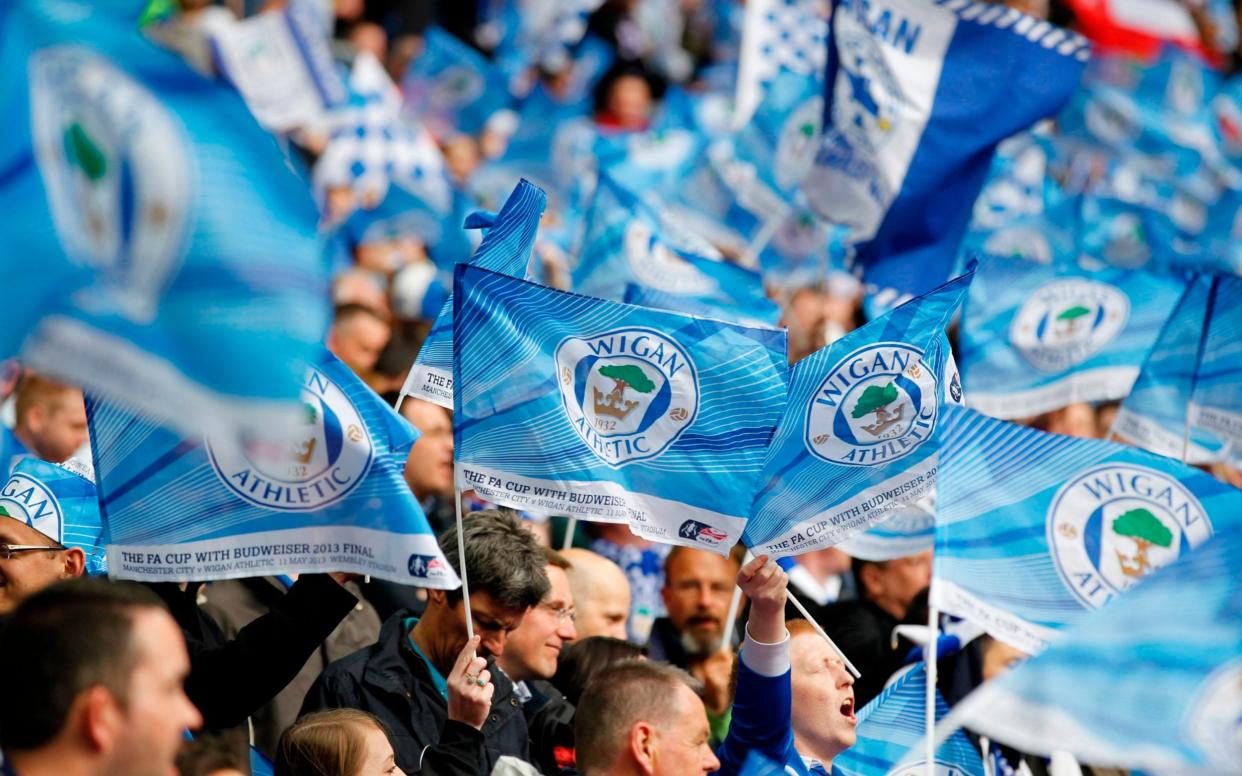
(858, 437)
(60, 503)
(1151, 682)
(891, 729)
(1036, 337)
(610, 412)
(170, 238)
(1037, 531)
(328, 496)
(451, 87)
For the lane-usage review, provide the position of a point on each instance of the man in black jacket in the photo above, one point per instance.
(418, 677)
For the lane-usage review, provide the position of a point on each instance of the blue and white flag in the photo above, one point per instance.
(159, 250)
(1187, 401)
(58, 501)
(778, 36)
(452, 88)
(918, 94)
(1152, 682)
(281, 63)
(1036, 531)
(908, 530)
(891, 729)
(1037, 337)
(611, 412)
(11, 450)
(505, 248)
(760, 311)
(858, 437)
(331, 496)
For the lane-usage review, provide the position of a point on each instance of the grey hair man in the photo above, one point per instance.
(440, 694)
(643, 718)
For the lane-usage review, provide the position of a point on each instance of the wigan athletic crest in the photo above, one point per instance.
(1115, 524)
(456, 86)
(656, 266)
(629, 393)
(1065, 322)
(323, 460)
(115, 164)
(878, 404)
(26, 499)
(867, 104)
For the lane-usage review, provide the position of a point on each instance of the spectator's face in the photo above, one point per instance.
(378, 758)
(533, 649)
(493, 624)
(429, 469)
(682, 747)
(358, 342)
(696, 594)
(629, 101)
(607, 611)
(157, 712)
(57, 427)
(893, 585)
(26, 573)
(999, 657)
(823, 698)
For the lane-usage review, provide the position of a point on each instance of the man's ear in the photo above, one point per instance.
(436, 597)
(98, 718)
(36, 417)
(643, 746)
(872, 580)
(75, 563)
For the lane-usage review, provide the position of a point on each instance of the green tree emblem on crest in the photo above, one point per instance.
(623, 376)
(1072, 316)
(1146, 530)
(83, 153)
(875, 399)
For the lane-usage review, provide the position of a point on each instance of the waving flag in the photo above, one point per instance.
(891, 729)
(1036, 531)
(1152, 682)
(59, 502)
(172, 243)
(908, 531)
(610, 412)
(858, 437)
(452, 88)
(1036, 337)
(918, 94)
(281, 63)
(330, 497)
(1186, 402)
(505, 248)
(778, 36)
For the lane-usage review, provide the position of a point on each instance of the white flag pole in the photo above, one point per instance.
(802, 610)
(929, 658)
(735, 604)
(570, 528)
(461, 555)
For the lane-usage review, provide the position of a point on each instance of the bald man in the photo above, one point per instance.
(601, 594)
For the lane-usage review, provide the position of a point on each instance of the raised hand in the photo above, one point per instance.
(470, 688)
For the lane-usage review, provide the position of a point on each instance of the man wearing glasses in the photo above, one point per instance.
(50, 528)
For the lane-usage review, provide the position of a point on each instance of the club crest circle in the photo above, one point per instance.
(655, 265)
(1214, 719)
(629, 393)
(27, 499)
(115, 164)
(1114, 524)
(1065, 322)
(319, 464)
(876, 405)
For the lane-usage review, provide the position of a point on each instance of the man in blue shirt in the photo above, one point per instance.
(794, 702)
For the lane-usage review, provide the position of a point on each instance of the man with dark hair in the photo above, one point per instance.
(643, 717)
(94, 684)
(863, 628)
(358, 336)
(410, 677)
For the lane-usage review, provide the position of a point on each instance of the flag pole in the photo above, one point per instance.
(1194, 372)
(929, 657)
(568, 541)
(802, 610)
(461, 555)
(735, 604)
